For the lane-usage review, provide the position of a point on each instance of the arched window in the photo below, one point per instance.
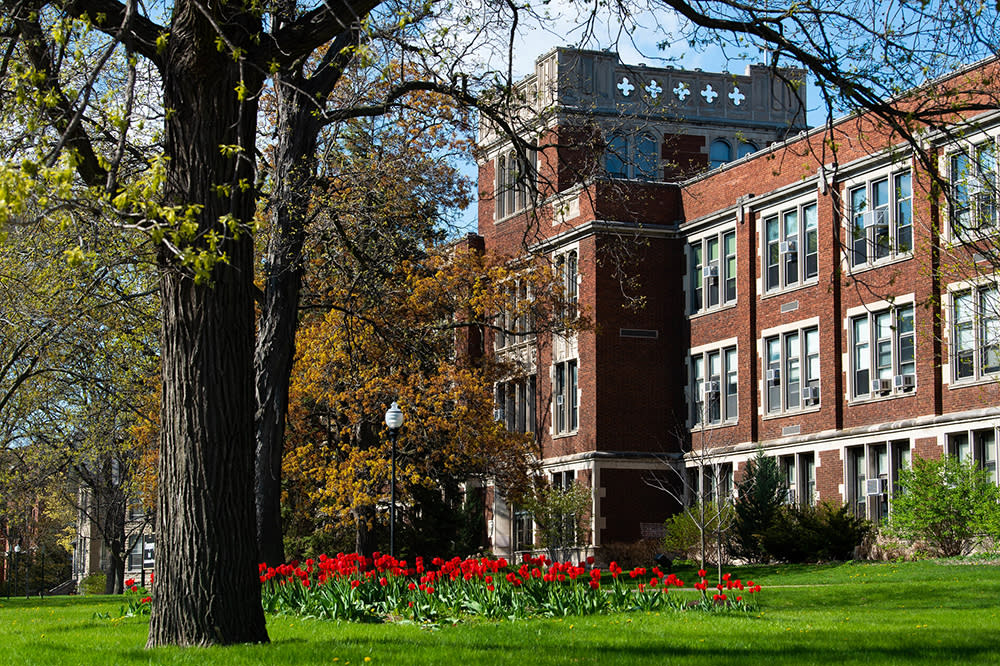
(646, 158)
(719, 153)
(616, 157)
(745, 148)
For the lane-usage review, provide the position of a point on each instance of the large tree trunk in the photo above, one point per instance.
(114, 538)
(295, 160)
(206, 589)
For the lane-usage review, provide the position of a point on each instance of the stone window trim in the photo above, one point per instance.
(972, 172)
(713, 385)
(711, 280)
(877, 217)
(789, 357)
(972, 332)
(885, 333)
(789, 245)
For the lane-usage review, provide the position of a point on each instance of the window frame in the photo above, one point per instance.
(517, 321)
(977, 325)
(776, 352)
(726, 264)
(880, 459)
(633, 159)
(566, 397)
(977, 449)
(515, 402)
(512, 191)
(714, 162)
(798, 471)
(977, 193)
(778, 258)
(874, 344)
(724, 408)
(862, 223)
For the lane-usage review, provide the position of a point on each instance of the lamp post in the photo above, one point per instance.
(393, 421)
(10, 568)
(41, 591)
(17, 551)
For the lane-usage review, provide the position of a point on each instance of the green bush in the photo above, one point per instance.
(759, 497)
(93, 583)
(811, 534)
(950, 505)
(682, 536)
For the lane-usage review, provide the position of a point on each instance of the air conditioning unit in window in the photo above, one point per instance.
(881, 385)
(709, 389)
(498, 414)
(876, 218)
(786, 247)
(904, 382)
(789, 495)
(559, 400)
(876, 486)
(773, 376)
(810, 395)
(712, 272)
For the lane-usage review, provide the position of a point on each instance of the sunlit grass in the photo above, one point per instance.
(909, 613)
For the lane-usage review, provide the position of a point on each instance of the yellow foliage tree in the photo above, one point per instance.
(360, 356)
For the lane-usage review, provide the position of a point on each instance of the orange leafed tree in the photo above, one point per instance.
(360, 356)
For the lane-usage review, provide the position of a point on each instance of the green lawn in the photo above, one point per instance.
(908, 613)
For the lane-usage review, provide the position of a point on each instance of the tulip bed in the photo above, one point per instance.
(356, 588)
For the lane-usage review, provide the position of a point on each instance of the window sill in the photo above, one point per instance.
(784, 291)
(977, 381)
(869, 399)
(698, 427)
(881, 263)
(811, 409)
(564, 435)
(511, 216)
(704, 312)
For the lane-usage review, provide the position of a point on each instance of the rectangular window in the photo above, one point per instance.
(883, 360)
(878, 491)
(787, 464)
(516, 182)
(791, 247)
(858, 476)
(567, 413)
(975, 333)
(979, 446)
(709, 483)
(524, 531)
(798, 473)
(881, 219)
(514, 404)
(714, 385)
(567, 269)
(791, 370)
(900, 451)
(807, 462)
(973, 191)
(712, 271)
(567, 522)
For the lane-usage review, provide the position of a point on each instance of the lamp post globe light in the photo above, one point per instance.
(393, 421)
(17, 551)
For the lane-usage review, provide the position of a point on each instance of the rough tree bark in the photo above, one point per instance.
(295, 161)
(206, 586)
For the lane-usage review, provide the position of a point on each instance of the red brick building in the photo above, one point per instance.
(750, 288)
